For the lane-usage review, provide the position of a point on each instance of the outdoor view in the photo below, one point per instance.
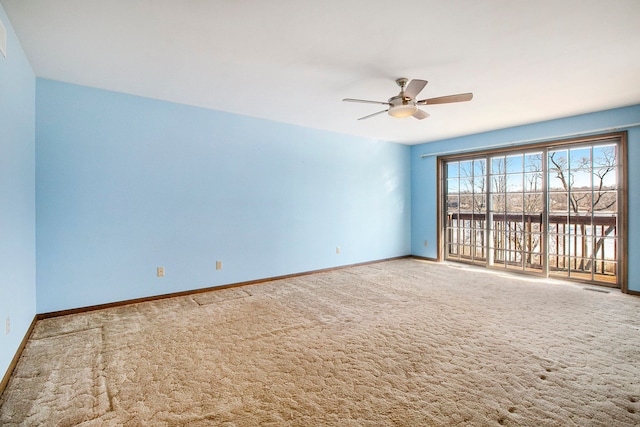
(552, 210)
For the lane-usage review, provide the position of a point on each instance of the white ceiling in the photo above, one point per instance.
(293, 61)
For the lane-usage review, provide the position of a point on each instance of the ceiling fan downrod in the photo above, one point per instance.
(402, 82)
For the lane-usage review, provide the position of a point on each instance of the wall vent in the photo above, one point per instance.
(3, 40)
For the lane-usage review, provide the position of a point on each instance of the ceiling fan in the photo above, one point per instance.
(405, 104)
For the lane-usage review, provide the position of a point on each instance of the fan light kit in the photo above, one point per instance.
(405, 104)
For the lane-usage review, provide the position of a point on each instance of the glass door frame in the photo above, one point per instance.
(620, 138)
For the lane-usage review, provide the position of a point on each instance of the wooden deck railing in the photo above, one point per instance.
(518, 235)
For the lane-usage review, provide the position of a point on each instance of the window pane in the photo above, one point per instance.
(453, 186)
(516, 236)
(533, 162)
(452, 234)
(559, 202)
(605, 178)
(605, 202)
(533, 223)
(555, 227)
(514, 183)
(479, 184)
(579, 244)
(581, 268)
(606, 270)
(533, 202)
(557, 244)
(466, 168)
(497, 165)
(580, 201)
(534, 261)
(580, 158)
(515, 203)
(604, 155)
(466, 185)
(604, 226)
(580, 180)
(514, 163)
(452, 203)
(499, 184)
(604, 248)
(533, 181)
(453, 169)
(580, 225)
(479, 167)
(466, 203)
(465, 236)
(514, 259)
(558, 181)
(498, 203)
(498, 256)
(480, 237)
(479, 203)
(558, 161)
(587, 242)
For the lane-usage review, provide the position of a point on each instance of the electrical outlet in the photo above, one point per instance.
(338, 250)
(218, 265)
(426, 243)
(8, 326)
(160, 272)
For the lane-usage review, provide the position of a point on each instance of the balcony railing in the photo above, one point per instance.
(583, 246)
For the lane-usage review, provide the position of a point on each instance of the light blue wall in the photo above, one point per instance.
(423, 170)
(126, 184)
(17, 196)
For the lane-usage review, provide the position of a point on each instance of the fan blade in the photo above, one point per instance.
(420, 114)
(374, 114)
(461, 97)
(414, 88)
(365, 101)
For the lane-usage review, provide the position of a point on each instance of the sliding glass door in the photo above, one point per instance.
(516, 211)
(583, 195)
(551, 210)
(466, 196)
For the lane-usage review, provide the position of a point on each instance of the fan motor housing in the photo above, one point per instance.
(402, 106)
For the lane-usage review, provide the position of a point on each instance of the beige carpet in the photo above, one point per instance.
(397, 343)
